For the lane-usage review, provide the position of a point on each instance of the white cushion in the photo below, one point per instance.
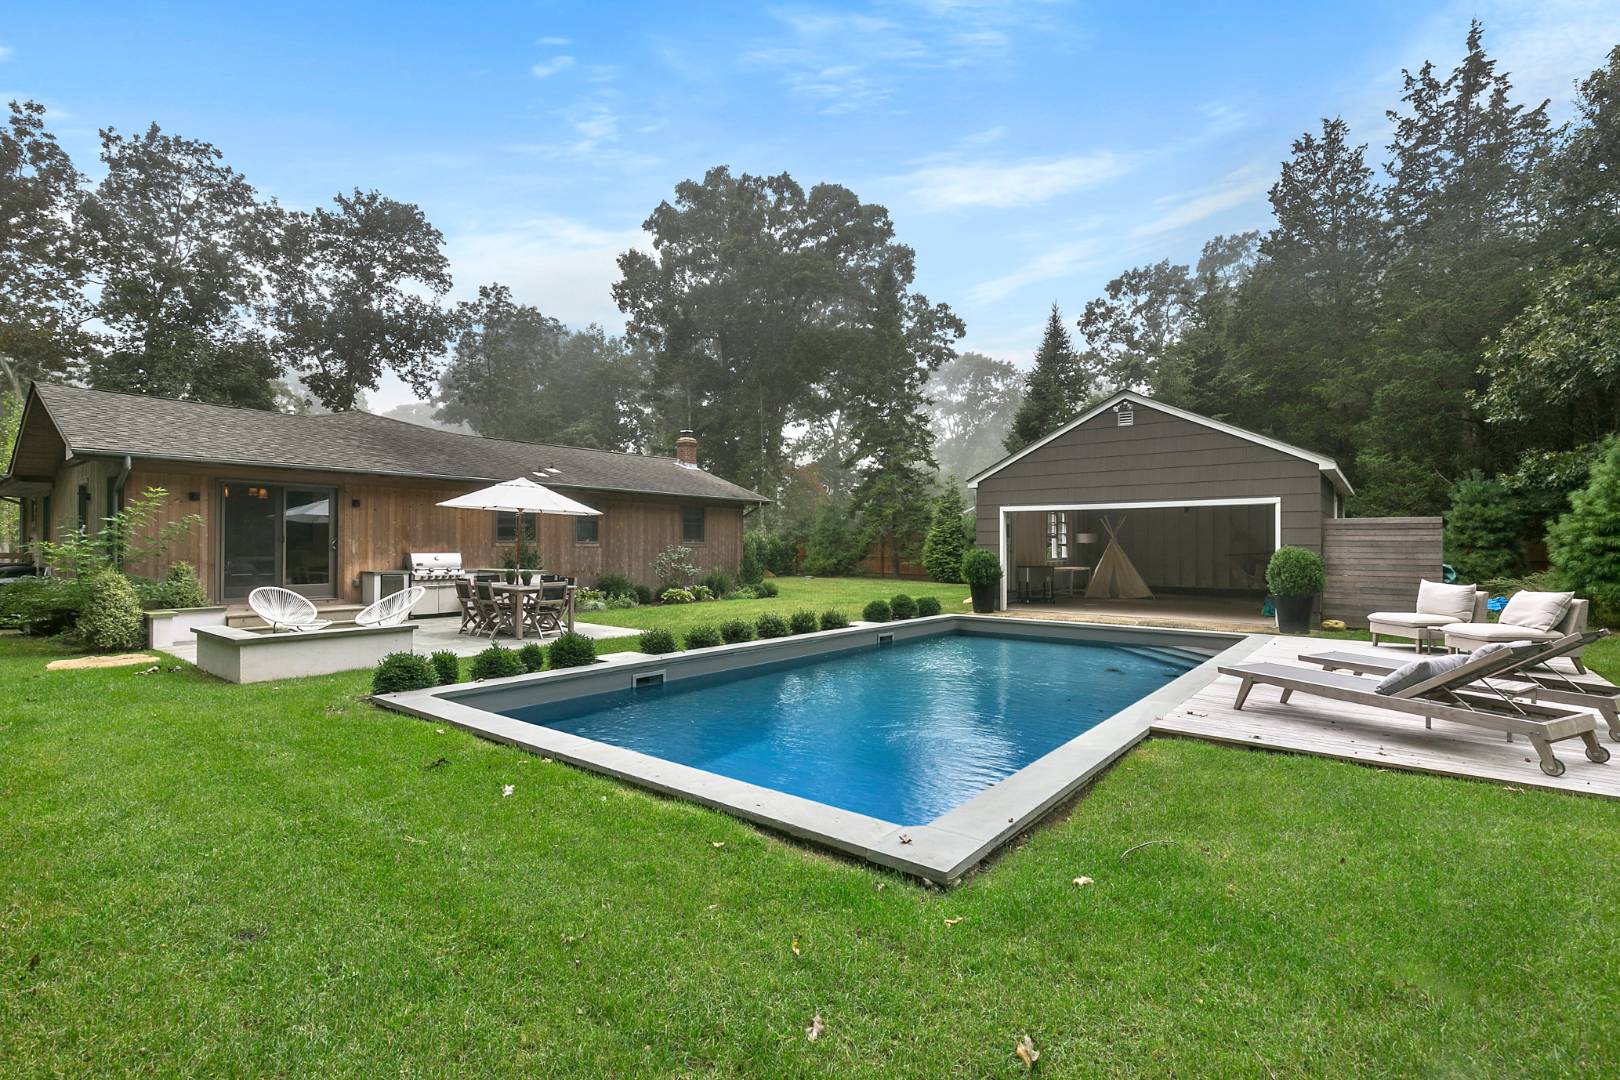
(1485, 631)
(1413, 619)
(1437, 598)
(1536, 610)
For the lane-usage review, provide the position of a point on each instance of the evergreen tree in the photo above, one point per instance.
(945, 543)
(1584, 545)
(1054, 389)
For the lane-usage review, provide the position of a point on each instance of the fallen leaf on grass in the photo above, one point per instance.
(1027, 1053)
(813, 1032)
(1515, 790)
(438, 731)
(795, 946)
(953, 922)
(1083, 880)
(412, 839)
(153, 670)
(507, 789)
(717, 843)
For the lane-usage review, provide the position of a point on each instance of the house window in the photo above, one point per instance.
(587, 529)
(1057, 534)
(691, 524)
(506, 527)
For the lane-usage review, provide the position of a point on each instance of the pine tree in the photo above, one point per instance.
(1053, 390)
(1584, 545)
(945, 542)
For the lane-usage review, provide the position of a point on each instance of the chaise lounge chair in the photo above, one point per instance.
(284, 609)
(1438, 606)
(1437, 688)
(1532, 678)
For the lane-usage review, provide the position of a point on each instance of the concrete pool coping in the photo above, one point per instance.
(941, 851)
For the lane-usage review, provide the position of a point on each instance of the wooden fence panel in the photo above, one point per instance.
(1375, 564)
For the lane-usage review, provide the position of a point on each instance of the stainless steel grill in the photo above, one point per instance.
(428, 567)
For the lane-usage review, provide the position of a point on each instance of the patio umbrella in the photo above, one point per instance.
(520, 496)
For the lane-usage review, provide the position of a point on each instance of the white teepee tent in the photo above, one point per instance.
(1115, 577)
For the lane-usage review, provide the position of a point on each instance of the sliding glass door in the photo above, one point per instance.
(275, 535)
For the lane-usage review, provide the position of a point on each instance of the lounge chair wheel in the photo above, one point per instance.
(1553, 767)
(1597, 753)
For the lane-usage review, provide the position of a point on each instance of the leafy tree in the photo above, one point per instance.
(1584, 544)
(357, 290)
(518, 374)
(757, 297)
(971, 402)
(1133, 325)
(1055, 389)
(945, 543)
(41, 258)
(833, 547)
(168, 235)
(1485, 529)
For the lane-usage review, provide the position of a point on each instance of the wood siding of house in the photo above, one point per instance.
(1159, 458)
(382, 519)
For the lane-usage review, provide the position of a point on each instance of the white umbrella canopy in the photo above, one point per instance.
(520, 496)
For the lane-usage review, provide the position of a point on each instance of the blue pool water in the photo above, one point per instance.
(902, 732)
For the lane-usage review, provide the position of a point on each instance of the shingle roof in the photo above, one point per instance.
(101, 422)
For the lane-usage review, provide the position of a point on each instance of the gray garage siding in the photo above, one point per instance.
(1160, 458)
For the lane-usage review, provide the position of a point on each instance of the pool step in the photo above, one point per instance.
(1168, 654)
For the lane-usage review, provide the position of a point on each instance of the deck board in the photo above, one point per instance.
(1351, 732)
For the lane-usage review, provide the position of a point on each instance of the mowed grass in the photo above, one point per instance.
(282, 879)
(848, 595)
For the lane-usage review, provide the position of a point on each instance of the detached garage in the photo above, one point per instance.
(1141, 508)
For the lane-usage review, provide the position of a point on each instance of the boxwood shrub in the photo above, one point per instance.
(447, 666)
(876, 611)
(833, 619)
(702, 636)
(767, 588)
(496, 662)
(657, 641)
(903, 607)
(532, 656)
(771, 625)
(1294, 571)
(803, 622)
(927, 605)
(402, 671)
(573, 649)
(734, 630)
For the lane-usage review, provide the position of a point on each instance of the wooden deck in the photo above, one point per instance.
(1350, 732)
(1182, 611)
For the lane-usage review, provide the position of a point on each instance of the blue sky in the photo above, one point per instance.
(1027, 151)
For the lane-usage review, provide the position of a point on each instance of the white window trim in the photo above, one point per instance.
(1273, 501)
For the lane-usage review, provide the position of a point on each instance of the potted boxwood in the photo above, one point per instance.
(982, 571)
(1294, 577)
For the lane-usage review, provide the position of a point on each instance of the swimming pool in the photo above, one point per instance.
(921, 745)
(904, 733)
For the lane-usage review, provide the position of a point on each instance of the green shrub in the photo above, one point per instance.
(903, 607)
(43, 605)
(833, 547)
(112, 620)
(702, 636)
(617, 603)
(771, 625)
(532, 655)
(944, 545)
(677, 596)
(590, 600)
(614, 583)
(1485, 529)
(733, 631)
(496, 662)
(833, 619)
(1584, 544)
(927, 605)
(674, 567)
(402, 671)
(644, 594)
(446, 666)
(876, 611)
(803, 622)
(657, 641)
(781, 555)
(1294, 571)
(179, 589)
(702, 592)
(743, 592)
(768, 589)
(752, 569)
(980, 567)
(719, 582)
(572, 649)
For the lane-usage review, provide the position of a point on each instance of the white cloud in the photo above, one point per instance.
(953, 184)
(547, 68)
(564, 267)
(5, 52)
(1058, 261)
(554, 42)
(1193, 206)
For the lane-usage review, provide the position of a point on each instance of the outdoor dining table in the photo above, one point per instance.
(520, 595)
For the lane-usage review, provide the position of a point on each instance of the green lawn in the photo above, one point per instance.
(282, 879)
(848, 595)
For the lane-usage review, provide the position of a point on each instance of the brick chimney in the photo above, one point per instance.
(686, 449)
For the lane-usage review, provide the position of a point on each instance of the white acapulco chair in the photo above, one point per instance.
(391, 609)
(284, 609)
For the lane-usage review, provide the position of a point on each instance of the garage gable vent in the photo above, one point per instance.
(1125, 414)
